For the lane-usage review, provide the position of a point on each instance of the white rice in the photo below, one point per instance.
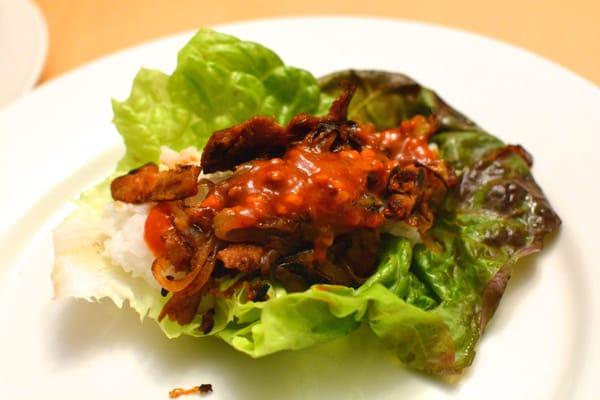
(170, 158)
(123, 224)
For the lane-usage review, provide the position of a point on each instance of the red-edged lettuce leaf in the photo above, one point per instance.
(493, 217)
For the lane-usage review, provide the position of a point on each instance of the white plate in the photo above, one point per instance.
(541, 344)
(23, 47)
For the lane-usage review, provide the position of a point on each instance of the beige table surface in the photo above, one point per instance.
(565, 31)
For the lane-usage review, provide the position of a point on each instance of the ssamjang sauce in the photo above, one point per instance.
(333, 191)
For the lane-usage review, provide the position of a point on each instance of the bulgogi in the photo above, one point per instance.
(303, 205)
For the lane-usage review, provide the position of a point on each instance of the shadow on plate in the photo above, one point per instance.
(354, 367)
(358, 366)
(522, 276)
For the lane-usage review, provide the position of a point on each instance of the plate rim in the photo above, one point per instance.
(239, 25)
(306, 18)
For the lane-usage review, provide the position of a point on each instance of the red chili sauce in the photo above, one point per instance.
(157, 224)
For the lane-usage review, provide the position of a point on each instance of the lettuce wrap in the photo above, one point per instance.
(429, 302)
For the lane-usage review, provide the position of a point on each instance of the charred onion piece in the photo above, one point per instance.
(259, 137)
(147, 183)
(339, 108)
(202, 389)
(183, 306)
(161, 269)
(415, 191)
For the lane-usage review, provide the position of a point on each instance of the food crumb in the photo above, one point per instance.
(202, 389)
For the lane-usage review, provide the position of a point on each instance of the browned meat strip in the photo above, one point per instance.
(147, 183)
(263, 137)
(302, 124)
(229, 227)
(177, 251)
(182, 307)
(242, 257)
(133, 187)
(259, 137)
(357, 251)
(208, 321)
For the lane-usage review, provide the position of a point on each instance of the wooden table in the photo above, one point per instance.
(567, 32)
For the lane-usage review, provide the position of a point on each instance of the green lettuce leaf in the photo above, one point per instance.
(322, 313)
(219, 81)
(428, 304)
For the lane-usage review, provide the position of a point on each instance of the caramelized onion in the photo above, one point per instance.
(161, 267)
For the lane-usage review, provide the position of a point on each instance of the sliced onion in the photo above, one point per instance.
(162, 265)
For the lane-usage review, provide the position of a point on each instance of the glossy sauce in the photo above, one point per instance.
(157, 224)
(335, 192)
(406, 143)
